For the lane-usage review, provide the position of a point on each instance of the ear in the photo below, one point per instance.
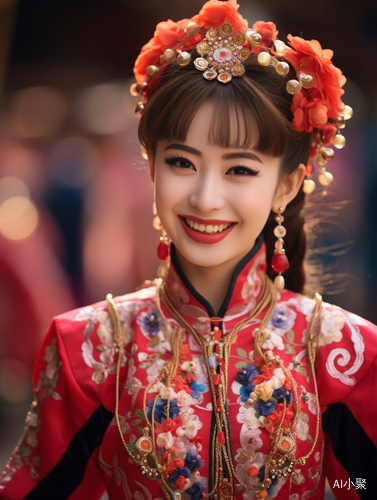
(288, 188)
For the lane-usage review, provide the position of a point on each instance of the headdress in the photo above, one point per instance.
(224, 42)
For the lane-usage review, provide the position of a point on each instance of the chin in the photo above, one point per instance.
(208, 255)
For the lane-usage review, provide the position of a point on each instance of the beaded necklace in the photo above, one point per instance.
(281, 459)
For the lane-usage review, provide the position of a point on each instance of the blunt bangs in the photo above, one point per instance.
(237, 105)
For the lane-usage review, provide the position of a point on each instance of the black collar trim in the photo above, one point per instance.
(203, 301)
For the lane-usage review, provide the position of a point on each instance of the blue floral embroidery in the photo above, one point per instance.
(197, 389)
(150, 322)
(185, 381)
(193, 461)
(247, 374)
(195, 491)
(261, 472)
(264, 408)
(281, 393)
(160, 410)
(244, 394)
(280, 319)
(244, 377)
(184, 471)
(272, 489)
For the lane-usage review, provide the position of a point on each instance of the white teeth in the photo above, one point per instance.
(208, 228)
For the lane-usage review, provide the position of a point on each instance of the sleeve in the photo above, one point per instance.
(349, 391)
(56, 456)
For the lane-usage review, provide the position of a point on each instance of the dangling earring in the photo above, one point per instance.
(163, 246)
(279, 262)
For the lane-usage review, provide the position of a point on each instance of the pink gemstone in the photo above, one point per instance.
(222, 55)
(279, 263)
(162, 251)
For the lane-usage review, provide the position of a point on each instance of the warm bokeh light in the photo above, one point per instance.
(100, 109)
(12, 186)
(15, 381)
(36, 112)
(18, 218)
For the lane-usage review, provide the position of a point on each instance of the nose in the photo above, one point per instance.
(206, 195)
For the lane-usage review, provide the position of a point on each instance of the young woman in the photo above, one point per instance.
(213, 382)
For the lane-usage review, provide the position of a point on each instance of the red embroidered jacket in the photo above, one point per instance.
(71, 446)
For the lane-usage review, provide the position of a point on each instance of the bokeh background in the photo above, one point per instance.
(75, 197)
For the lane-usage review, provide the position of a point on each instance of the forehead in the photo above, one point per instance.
(223, 126)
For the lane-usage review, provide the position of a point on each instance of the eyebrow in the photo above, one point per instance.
(183, 147)
(241, 154)
(226, 156)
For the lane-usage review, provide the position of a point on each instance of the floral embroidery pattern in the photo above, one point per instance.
(49, 377)
(251, 290)
(154, 328)
(133, 384)
(45, 387)
(183, 409)
(333, 324)
(176, 426)
(120, 477)
(343, 356)
(283, 319)
(262, 389)
(105, 364)
(26, 452)
(253, 286)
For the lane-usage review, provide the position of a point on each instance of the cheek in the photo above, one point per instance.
(170, 191)
(254, 204)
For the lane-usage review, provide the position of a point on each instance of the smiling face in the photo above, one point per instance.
(213, 201)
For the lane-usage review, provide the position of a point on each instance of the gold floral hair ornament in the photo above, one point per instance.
(224, 43)
(222, 54)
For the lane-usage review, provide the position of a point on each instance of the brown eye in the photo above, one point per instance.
(240, 170)
(184, 164)
(178, 161)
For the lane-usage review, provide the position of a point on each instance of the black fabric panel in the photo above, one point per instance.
(69, 472)
(240, 266)
(352, 447)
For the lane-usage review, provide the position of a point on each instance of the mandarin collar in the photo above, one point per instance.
(243, 294)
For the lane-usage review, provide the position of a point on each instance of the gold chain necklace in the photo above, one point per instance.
(280, 461)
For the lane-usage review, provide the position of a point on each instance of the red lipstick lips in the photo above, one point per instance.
(205, 238)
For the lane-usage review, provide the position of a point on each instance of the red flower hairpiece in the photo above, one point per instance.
(316, 94)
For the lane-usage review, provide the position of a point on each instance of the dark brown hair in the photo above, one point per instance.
(260, 95)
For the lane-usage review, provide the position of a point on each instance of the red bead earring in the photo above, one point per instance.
(163, 246)
(279, 262)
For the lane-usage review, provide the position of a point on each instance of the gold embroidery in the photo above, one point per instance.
(119, 476)
(26, 451)
(49, 377)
